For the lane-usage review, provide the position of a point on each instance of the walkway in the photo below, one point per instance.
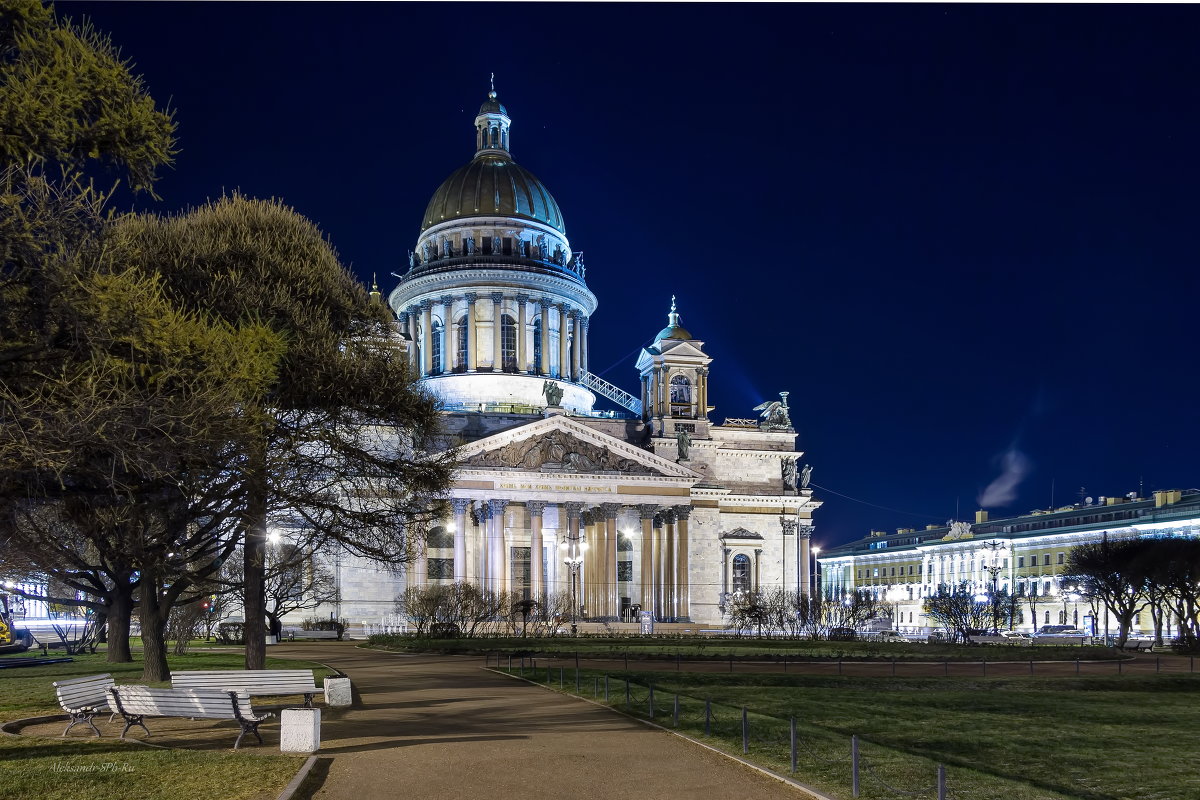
(434, 727)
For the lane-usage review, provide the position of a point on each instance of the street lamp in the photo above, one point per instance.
(813, 582)
(573, 549)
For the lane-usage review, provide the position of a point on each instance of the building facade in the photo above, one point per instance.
(1024, 555)
(678, 513)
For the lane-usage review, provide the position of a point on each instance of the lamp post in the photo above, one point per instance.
(814, 582)
(573, 549)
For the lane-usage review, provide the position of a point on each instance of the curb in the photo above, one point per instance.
(290, 790)
(810, 791)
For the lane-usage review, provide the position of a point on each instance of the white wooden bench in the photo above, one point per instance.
(255, 682)
(84, 698)
(134, 703)
(293, 634)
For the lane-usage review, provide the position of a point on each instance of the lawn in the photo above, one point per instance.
(1093, 738)
(642, 647)
(101, 769)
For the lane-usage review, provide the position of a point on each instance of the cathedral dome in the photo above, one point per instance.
(673, 330)
(493, 185)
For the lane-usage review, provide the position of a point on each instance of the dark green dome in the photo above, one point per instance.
(493, 184)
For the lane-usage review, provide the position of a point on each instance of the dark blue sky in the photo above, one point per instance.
(951, 232)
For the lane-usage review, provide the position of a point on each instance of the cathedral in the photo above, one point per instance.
(652, 511)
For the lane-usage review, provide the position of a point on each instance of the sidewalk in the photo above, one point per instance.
(441, 727)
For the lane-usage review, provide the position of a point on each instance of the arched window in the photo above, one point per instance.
(681, 389)
(460, 345)
(741, 573)
(537, 347)
(508, 343)
(435, 348)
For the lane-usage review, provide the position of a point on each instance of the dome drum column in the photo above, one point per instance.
(447, 328)
(544, 367)
(472, 333)
(576, 345)
(583, 364)
(562, 341)
(522, 333)
(426, 337)
(497, 326)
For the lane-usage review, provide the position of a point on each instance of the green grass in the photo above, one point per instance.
(1091, 738)
(748, 648)
(101, 769)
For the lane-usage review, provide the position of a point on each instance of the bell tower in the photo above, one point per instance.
(674, 372)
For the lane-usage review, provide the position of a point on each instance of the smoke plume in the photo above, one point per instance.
(1014, 467)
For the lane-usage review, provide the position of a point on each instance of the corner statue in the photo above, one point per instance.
(553, 393)
(805, 476)
(774, 414)
(683, 442)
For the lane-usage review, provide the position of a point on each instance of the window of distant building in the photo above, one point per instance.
(1020, 561)
(1061, 556)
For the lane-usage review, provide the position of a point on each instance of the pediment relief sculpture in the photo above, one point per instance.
(558, 451)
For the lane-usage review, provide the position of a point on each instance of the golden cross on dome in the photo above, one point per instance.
(493, 83)
(672, 303)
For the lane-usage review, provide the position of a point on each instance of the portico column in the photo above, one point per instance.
(574, 510)
(536, 579)
(499, 557)
(670, 603)
(702, 392)
(460, 506)
(544, 367)
(522, 333)
(483, 554)
(563, 372)
(724, 574)
(583, 366)
(659, 600)
(426, 338)
(805, 533)
(647, 564)
(497, 325)
(789, 531)
(595, 570)
(612, 599)
(472, 333)
(576, 346)
(757, 569)
(447, 329)
(682, 579)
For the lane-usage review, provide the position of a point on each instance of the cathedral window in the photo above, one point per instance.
(460, 346)
(435, 348)
(537, 347)
(439, 537)
(741, 573)
(681, 395)
(507, 247)
(508, 343)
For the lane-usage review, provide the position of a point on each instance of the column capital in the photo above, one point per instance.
(585, 321)
(536, 507)
(562, 308)
(484, 512)
(545, 302)
(610, 510)
(521, 298)
(789, 526)
(461, 504)
(497, 297)
(426, 304)
(658, 520)
(806, 531)
(412, 309)
(471, 297)
(648, 510)
(682, 512)
(574, 509)
(447, 300)
(668, 515)
(497, 507)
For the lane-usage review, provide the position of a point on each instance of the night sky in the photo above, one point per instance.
(962, 237)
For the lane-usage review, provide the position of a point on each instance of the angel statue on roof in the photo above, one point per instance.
(774, 414)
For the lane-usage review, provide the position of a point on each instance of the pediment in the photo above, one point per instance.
(674, 349)
(558, 444)
(742, 534)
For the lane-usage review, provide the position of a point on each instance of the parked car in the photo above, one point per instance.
(842, 634)
(1016, 637)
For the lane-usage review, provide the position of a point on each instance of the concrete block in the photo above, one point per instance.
(337, 692)
(300, 730)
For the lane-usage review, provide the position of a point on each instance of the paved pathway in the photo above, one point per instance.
(434, 727)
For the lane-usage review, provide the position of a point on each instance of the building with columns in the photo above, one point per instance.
(679, 513)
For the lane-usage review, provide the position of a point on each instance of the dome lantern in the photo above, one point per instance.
(491, 125)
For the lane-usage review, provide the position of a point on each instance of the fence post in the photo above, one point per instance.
(605, 688)
(785, 663)
(1077, 666)
(707, 716)
(627, 692)
(651, 701)
(793, 730)
(560, 677)
(627, 661)
(577, 660)
(745, 731)
(1031, 666)
(985, 666)
(595, 686)
(941, 789)
(839, 666)
(854, 766)
(577, 680)
(676, 720)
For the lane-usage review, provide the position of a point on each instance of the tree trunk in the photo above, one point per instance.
(117, 622)
(154, 626)
(254, 555)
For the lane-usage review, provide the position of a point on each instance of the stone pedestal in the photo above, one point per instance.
(337, 692)
(300, 730)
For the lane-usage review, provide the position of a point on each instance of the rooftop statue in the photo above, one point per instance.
(553, 393)
(774, 415)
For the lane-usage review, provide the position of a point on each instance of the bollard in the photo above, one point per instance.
(652, 701)
(707, 716)
(745, 732)
(605, 688)
(854, 766)
(676, 714)
(941, 779)
(793, 727)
